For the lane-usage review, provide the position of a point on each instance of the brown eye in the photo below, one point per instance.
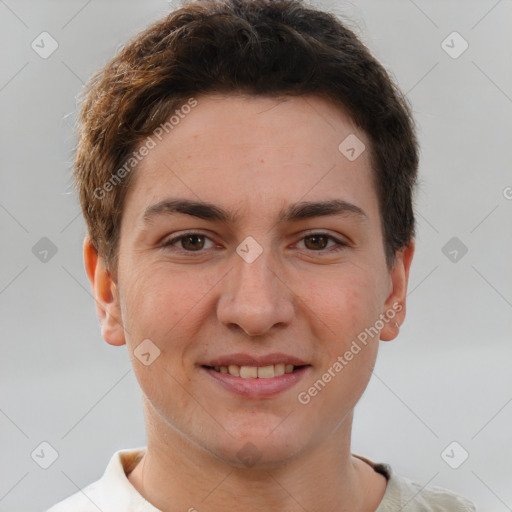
(189, 242)
(316, 242)
(322, 243)
(192, 242)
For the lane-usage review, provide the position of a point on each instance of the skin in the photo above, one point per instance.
(253, 156)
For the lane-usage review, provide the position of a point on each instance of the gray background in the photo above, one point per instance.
(446, 378)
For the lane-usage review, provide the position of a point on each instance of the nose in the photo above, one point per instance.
(255, 297)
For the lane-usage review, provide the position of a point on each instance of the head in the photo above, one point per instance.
(246, 171)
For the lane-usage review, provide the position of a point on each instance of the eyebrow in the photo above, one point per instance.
(292, 213)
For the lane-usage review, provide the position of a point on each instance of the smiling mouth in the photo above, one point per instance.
(256, 372)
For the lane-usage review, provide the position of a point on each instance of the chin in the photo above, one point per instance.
(253, 454)
(260, 446)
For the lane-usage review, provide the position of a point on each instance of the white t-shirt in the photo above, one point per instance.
(113, 492)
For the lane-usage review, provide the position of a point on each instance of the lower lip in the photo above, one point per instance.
(257, 387)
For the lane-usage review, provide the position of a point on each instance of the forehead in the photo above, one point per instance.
(260, 152)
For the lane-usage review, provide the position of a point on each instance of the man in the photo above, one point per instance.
(246, 170)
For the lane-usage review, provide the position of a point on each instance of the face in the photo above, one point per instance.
(250, 244)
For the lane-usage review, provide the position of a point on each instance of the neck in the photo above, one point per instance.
(176, 475)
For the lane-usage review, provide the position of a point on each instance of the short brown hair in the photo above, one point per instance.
(257, 47)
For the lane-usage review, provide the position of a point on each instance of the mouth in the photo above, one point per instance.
(256, 372)
(256, 377)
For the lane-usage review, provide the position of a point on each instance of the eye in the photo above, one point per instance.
(190, 242)
(319, 242)
(198, 242)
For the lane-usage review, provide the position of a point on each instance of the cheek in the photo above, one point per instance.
(150, 299)
(349, 354)
(354, 350)
(346, 308)
(161, 305)
(346, 301)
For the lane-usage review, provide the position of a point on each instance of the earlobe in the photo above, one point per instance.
(105, 295)
(395, 305)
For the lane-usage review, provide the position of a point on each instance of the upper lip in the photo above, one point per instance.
(254, 360)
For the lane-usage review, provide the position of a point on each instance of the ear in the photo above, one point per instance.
(395, 302)
(105, 295)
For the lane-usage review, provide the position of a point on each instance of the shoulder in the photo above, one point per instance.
(112, 492)
(409, 496)
(86, 500)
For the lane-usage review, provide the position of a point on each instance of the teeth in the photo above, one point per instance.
(248, 372)
(234, 370)
(279, 369)
(265, 372)
(253, 372)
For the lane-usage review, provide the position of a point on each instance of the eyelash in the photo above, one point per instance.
(339, 244)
